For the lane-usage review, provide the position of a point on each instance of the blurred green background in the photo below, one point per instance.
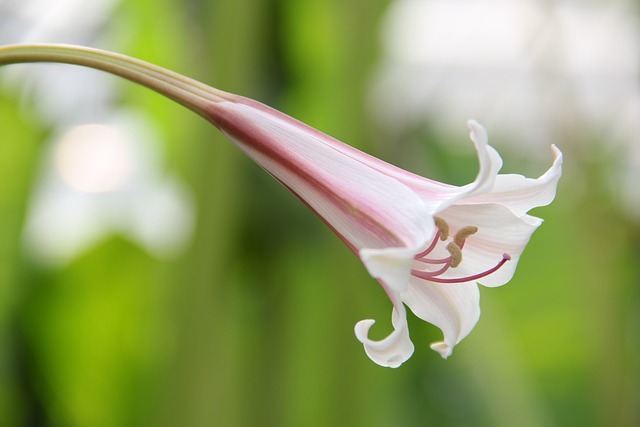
(252, 323)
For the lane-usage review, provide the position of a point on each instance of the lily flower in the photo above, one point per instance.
(428, 244)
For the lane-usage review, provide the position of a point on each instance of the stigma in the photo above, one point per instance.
(454, 247)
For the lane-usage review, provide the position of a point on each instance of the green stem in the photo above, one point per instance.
(188, 92)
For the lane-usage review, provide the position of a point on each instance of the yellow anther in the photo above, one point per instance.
(463, 233)
(456, 254)
(442, 225)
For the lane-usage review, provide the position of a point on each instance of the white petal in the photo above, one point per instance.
(397, 347)
(521, 194)
(489, 159)
(499, 232)
(490, 163)
(454, 309)
(391, 266)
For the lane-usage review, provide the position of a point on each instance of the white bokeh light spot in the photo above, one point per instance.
(94, 158)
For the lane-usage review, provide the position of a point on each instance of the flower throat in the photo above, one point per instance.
(455, 255)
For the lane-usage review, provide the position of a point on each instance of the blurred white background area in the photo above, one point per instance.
(102, 168)
(533, 72)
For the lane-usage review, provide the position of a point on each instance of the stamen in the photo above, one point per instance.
(454, 259)
(463, 233)
(434, 261)
(438, 272)
(442, 225)
(428, 276)
(431, 246)
(456, 254)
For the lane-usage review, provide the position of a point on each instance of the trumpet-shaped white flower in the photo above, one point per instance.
(427, 243)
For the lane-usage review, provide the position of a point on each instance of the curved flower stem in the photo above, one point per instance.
(188, 92)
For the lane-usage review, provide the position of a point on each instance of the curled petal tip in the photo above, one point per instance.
(390, 352)
(443, 348)
(478, 132)
(362, 328)
(557, 154)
